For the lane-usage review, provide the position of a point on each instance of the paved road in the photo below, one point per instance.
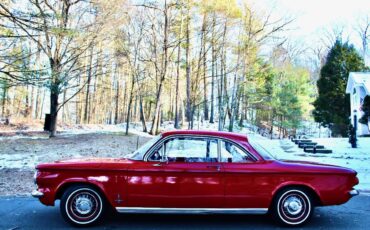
(28, 213)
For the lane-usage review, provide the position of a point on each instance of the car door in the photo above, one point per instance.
(190, 176)
(247, 185)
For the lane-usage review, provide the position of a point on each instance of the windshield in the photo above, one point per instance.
(140, 152)
(261, 150)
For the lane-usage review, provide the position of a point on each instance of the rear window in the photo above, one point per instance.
(265, 154)
(231, 153)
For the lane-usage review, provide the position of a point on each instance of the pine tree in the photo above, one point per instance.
(332, 107)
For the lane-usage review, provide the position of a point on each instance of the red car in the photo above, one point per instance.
(193, 172)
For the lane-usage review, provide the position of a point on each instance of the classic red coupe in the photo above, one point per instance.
(193, 172)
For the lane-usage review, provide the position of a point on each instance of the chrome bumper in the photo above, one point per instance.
(37, 194)
(354, 192)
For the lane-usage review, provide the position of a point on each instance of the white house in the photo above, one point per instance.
(358, 86)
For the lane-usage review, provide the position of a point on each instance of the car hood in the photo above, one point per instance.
(88, 163)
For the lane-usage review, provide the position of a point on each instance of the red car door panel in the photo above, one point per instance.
(175, 184)
(247, 185)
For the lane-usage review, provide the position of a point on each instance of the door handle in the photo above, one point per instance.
(157, 165)
(217, 167)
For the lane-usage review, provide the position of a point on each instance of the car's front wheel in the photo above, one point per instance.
(292, 206)
(82, 205)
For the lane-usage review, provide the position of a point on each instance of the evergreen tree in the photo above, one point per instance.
(332, 107)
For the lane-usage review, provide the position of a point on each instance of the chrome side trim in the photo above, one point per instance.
(192, 210)
(354, 192)
(37, 194)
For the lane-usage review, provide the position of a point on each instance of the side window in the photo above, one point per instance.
(185, 149)
(157, 155)
(233, 154)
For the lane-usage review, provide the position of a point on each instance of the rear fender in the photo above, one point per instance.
(296, 184)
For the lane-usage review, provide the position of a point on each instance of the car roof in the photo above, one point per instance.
(227, 135)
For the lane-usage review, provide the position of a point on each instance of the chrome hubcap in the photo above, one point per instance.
(293, 205)
(83, 204)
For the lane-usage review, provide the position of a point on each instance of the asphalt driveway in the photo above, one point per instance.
(28, 213)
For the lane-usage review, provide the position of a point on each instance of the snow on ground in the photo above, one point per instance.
(38, 133)
(26, 153)
(19, 156)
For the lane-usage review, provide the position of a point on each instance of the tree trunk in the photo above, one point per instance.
(192, 117)
(214, 58)
(233, 104)
(202, 62)
(142, 115)
(53, 110)
(37, 105)
(42, 103)
(129, 104)
(182, 112)
(4, 101)
(31, 102)
(272, 125)
(123, 116)
(156, 118)
(149, 110)
(223, 81)
(54, 95)
(220, 97)
(86, 113)
(178, 77)
(177, 86)
(234, 97)
(116, 111)
(65, 112)
(156, 121)
(205, 84)
(26, 111)
(188, 80)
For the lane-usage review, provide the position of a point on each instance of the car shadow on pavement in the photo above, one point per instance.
(187, 221)
(26, 213)
(322, 219)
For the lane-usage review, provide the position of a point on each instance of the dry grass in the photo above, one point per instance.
(18, 157)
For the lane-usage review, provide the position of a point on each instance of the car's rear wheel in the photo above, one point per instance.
(82, 205)
(292, 206)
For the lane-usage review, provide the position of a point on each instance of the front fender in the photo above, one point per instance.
(54, 187)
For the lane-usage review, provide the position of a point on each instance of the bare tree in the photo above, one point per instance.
(363, 30)
(57, 43)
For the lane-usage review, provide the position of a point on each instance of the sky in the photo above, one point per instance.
(313, 17)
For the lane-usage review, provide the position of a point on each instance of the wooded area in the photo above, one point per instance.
(119, 61)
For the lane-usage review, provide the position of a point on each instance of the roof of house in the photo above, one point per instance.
(358, 78)
(228, 135)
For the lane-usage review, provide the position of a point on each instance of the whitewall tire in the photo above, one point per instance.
(82, 205)
(292, 207)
